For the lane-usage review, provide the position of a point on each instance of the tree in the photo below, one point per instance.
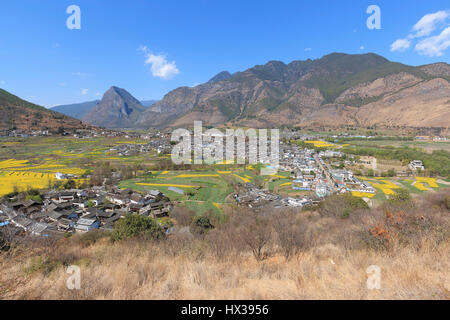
(70, 184)
(201, 225)
(137, 226)
(255, 232)
(401, 195)
(391, 173)
(290, 233)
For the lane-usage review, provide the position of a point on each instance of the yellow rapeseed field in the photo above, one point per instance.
(420, 186)
(362, 194)
(242, 178)
(11, 163)
(430, 181)
(320, 144)
(286, 184)
(384, 188)
(167, 185)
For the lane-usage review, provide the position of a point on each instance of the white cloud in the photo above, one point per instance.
(62, 84)
(434, 46)
(361, 48)
(400, 45)
(428, 23)
(308, 49)
(430, 45)
(160, 67)
(98, 94)
(2, 82)
(84, 91)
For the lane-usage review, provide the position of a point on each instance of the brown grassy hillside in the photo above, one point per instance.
(18, 114)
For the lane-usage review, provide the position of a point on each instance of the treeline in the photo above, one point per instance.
(375, 138)
(436, 164)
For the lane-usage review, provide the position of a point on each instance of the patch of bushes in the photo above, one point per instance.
(201, 225)
(341, 205)
(90, 238)
(134, 225)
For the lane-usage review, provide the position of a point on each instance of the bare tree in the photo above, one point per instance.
(255, 232)
(10, 238)
(291, 233)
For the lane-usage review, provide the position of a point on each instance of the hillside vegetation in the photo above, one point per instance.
(321, 253)
(16, 113)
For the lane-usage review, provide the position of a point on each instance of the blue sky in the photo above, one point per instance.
(150, 47)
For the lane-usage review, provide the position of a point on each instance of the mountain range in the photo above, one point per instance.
(336, 90)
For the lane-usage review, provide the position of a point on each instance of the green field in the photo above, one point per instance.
(203, 190)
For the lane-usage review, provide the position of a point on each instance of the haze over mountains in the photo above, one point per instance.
(336, 90)
(79, 110)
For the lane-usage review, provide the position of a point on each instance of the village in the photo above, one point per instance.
(310, 174)
(68, 211)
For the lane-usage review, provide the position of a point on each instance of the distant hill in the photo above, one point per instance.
(117, 109)
(148, 103)
(76, 110)
(79, 110)
(18, 114)
(336, 90)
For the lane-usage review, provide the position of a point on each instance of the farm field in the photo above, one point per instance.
(428, 146)
(31, 163)
(388, 186)
(202, 190)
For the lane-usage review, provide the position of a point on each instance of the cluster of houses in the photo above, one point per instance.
(129, 149)
(254, 197)
(80, 210)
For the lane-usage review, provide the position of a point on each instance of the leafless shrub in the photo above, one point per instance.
(178, 242)
(10, 238)
(182, 215)
(290, 232)
(220, 243)
(255, 232)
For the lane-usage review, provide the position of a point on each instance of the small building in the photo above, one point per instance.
(416, 165)
(86, 225)
(67, 196)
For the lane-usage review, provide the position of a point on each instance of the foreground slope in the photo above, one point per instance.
(411, 245)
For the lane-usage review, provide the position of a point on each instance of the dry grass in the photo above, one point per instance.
(332, 266)
(143, 271)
